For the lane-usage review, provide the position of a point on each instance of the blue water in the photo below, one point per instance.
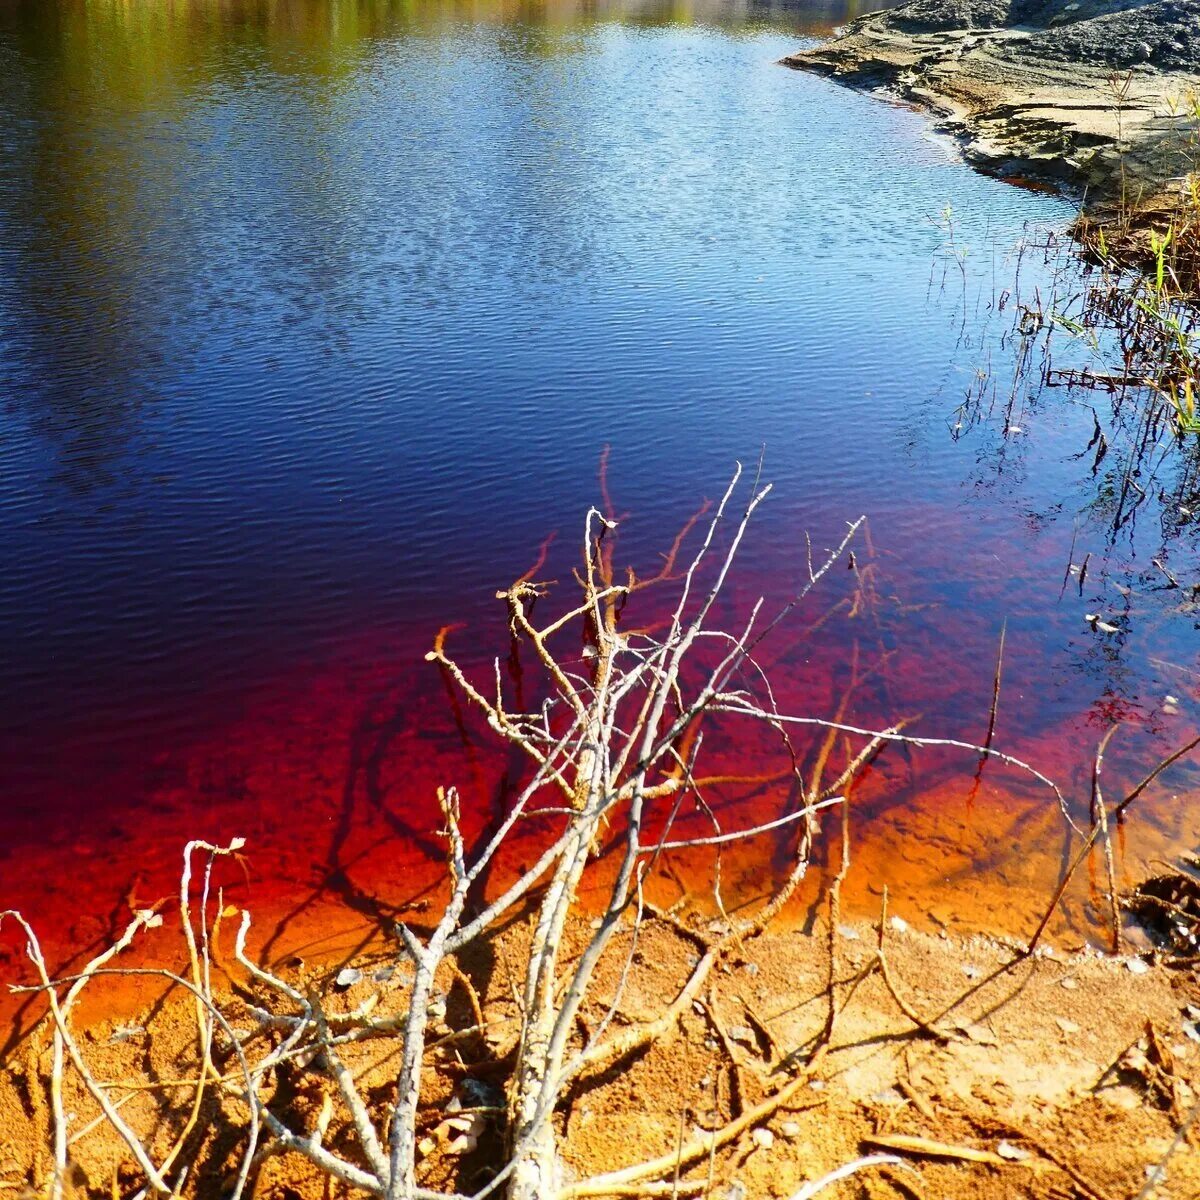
(315, 320)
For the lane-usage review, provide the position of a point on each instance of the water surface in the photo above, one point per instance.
(316, 319)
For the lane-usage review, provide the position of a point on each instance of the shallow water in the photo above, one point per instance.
(315, 320)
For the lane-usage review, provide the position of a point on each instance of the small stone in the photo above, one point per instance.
(471, 1124)
(970, 972)
(899, 924)
(981, 1035)
(1134, 1059)
(1066, 1026)
(479, 1093)
(1137, 966)
(1011, 1152)
(742, 1034)
(848, 932)
(1069, 982)
(347, 977)
(790, 1130)
(125, 1033)
(817, 1085)
(752, 969)
(764, 1139)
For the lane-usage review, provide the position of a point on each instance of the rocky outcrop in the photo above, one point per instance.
(1097, 95)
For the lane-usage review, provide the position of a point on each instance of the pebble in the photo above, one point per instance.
(125, 1033)
(790, 1129)
(348, 977)
(763, 1138)
(899, 924)
(981, 1035)
(1011, 1152)
(1069, 982)
(1137, 966)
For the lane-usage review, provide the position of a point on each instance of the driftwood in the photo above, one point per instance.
(612, 752)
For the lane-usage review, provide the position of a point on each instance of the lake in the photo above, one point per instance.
(316, 321)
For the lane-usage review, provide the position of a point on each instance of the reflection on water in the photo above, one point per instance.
(314, 321)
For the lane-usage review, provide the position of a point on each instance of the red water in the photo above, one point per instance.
(330, 770)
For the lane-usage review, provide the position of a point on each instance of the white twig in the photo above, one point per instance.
(843, 1172)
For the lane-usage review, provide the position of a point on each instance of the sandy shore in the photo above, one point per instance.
(984, 1073)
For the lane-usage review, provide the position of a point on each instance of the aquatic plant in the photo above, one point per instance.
(1146, 285)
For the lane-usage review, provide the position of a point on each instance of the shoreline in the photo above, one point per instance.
(982, 1073)
(1103, 122)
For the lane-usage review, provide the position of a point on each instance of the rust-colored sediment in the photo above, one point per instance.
(330, 774)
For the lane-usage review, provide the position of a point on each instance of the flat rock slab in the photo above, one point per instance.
(1099, 96)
